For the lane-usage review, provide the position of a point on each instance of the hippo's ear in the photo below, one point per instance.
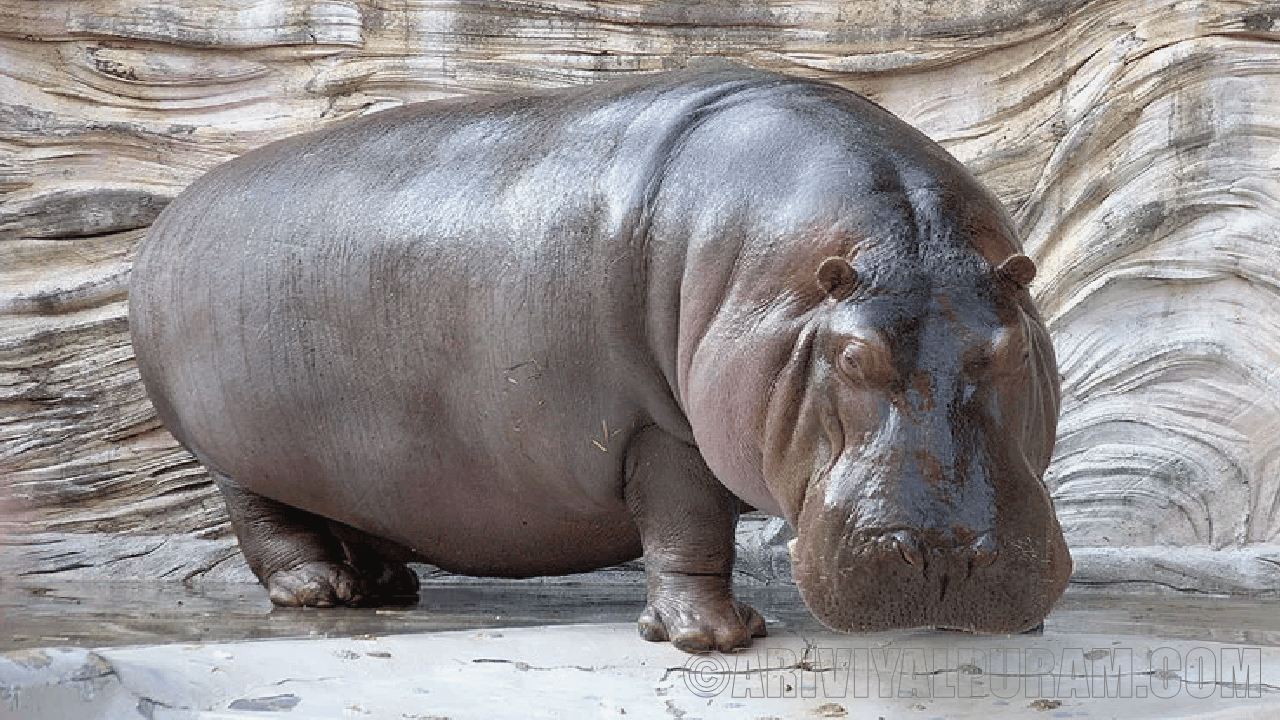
(1018, 269)
(837, 278)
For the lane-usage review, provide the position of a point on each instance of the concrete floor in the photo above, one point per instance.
(529, 650)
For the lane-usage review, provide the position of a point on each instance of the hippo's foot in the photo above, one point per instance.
(329, 584)
(315, 584)
(697, 613)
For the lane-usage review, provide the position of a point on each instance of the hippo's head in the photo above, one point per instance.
(906, 439)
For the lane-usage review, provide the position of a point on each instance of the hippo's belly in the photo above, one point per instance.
(464, 465)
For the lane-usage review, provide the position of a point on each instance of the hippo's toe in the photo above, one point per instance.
(694, 630)
(315, 584)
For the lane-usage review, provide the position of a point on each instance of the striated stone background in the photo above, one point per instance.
(1136, 143)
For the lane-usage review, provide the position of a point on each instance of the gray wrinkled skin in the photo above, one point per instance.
(541, 334)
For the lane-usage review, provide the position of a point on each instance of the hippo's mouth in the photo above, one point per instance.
(875, 585)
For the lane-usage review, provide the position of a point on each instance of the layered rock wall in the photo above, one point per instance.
(1136, 143)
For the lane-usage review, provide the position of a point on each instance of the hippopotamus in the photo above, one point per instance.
(534, 334)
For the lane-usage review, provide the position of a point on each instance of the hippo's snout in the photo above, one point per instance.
(981, 552)
(869, 581)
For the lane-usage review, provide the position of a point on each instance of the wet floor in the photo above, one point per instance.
(108, 614)
(115, 614)
(96, 651)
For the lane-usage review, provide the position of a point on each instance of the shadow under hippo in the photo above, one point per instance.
(537, 334)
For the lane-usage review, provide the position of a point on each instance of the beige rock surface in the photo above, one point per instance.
(1136, 142)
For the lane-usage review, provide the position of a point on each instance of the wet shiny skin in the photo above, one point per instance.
(515, 335)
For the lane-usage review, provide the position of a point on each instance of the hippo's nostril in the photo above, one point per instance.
(984, 550)
(906, 545)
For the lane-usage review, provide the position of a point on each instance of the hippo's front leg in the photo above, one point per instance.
(686, 520)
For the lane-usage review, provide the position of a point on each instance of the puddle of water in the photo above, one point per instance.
(1172, 615)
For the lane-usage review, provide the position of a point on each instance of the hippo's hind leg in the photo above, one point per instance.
(687, 521)
(305, 560)
(294, 553)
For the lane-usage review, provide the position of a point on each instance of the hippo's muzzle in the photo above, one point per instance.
(896, 580)
(909, 551)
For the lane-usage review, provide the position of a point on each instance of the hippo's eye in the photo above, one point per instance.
(1010, 354)
(865, 361)
(1007, 353)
